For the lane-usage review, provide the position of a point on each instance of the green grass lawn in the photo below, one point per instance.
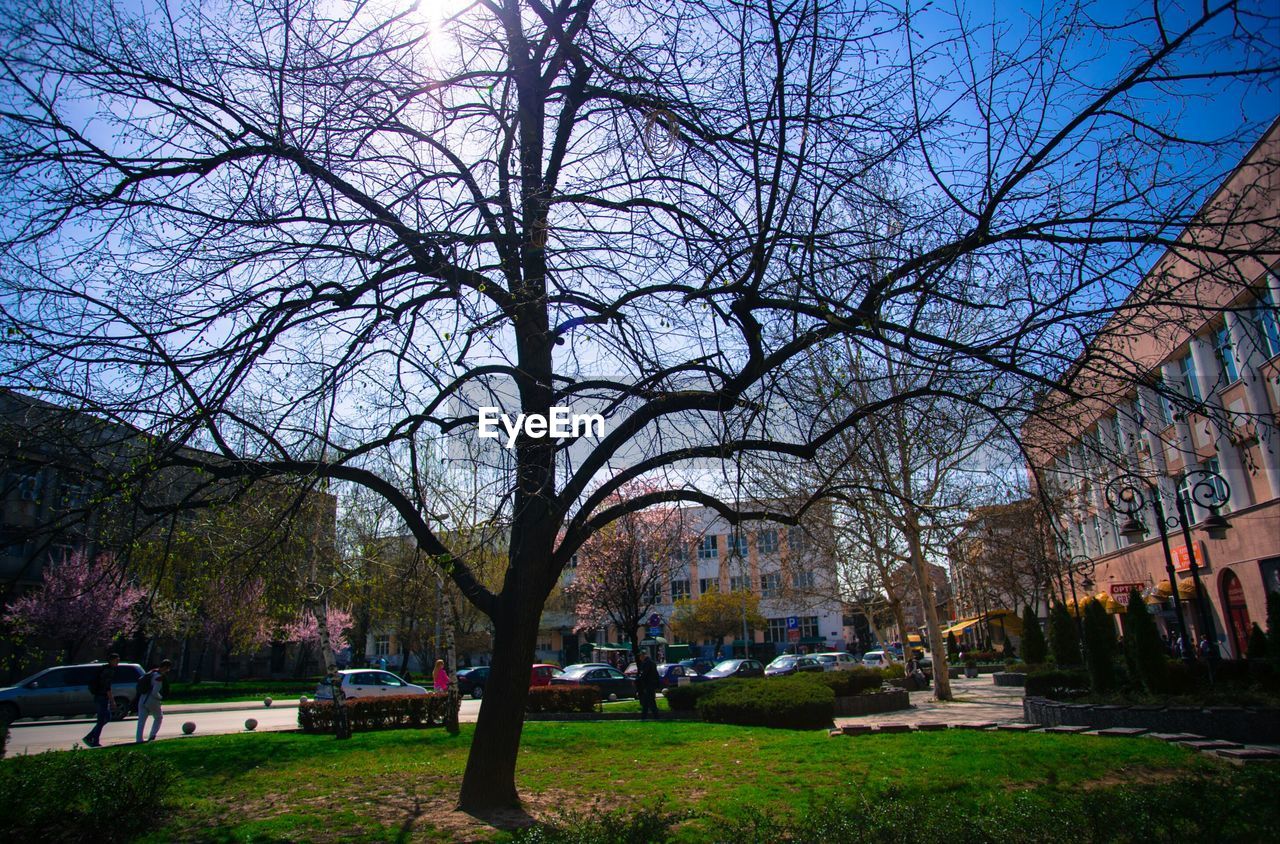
(400, 785)
(240, 690)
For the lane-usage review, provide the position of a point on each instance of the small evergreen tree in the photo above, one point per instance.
(1257, 643)
(1064, 643)
(1273, 627)
(1034, 648)
(953, 647)
(1099, 647)
(1143, 648)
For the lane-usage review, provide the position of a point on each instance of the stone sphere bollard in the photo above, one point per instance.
(266, 701)
(251, 724)
(188, 728)
(303, 699)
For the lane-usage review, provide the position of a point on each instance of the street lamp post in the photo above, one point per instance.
(1129, 493)
(1082, 565)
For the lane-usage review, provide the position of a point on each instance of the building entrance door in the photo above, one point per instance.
(1237, 612)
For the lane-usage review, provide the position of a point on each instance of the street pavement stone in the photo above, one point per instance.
(977, 700)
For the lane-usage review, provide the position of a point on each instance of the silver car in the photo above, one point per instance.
(64, 690)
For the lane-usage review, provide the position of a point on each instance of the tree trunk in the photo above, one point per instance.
(320, 609)
(489, 781)
(941, 680)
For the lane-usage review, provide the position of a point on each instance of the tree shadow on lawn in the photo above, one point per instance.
(439, 814)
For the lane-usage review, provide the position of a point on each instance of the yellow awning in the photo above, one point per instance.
(1007, 620)
(961, 626)
(1187, 589)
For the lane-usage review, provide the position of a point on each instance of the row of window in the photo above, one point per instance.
(736, 543)
(777, 629)
(770, 585)
(25, 486)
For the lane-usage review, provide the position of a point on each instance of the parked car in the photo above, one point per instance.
(878, 659)
(791, 664)
(64, 690)
(699, 666)
(471, 681)
(837, 661)
(364, 682)
(611, 682)
(733, 668)
(542, 673)
(669, 673)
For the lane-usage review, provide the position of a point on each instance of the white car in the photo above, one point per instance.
(366, 682)
(878, 659)
(836, 661)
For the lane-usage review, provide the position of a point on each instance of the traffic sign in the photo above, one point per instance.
(655, 631)
(793, 635)
(793, 622)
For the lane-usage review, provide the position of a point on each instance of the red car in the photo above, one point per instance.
(541, 673)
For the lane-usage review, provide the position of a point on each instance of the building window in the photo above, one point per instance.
(1097, 531)
(1190, 382)
(770, 585)
(803, 579)
(737, 543)
(708, 547)
(679, 590)
(739, 583)
(777, 630)
(654, 593)
(1226, 354)
(1266, 324)
(381, 645)
(767, 541)
(796, 540)
(808, 627)
(708, 584)
(680, 555)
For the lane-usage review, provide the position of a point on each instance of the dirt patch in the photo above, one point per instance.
(1139, 777)
(418, 817)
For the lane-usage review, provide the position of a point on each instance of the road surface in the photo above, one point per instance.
(210, 719)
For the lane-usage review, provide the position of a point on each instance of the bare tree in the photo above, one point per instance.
(224, 222)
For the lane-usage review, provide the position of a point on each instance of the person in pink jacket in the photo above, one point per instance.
(441, 679)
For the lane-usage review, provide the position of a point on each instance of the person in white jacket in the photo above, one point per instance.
(150, 701)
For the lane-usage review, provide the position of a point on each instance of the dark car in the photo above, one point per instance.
(64, 690)
(611, 682)
(791, 664)
(669, 673)
(699, 666)
(471, 680)
(733, 668)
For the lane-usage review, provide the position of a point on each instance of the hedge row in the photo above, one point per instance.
(376, 713)
(796, 703)
(80, 795)
(562, 699)
(1057, 682)
(242, 690)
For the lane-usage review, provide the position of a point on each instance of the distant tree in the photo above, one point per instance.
(1064, 641)
(715, 615)
(1034, 648)
(953, 647)
(234, 619)
(1099, 647)
(623, 566)
(1143, 648)
(81, 603)
(305, 631)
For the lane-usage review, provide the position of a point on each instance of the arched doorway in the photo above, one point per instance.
(1236, 612)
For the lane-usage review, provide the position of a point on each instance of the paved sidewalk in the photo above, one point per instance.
(978, 700)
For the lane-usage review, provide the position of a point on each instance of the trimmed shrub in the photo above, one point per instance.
(953, 647)
(797, 703)
(896, 671)
(1034, 648)
(1257, 643)
(1064, 641)
(685, 698)
(562, 699)
(1143, 649)
(1057, 683)
(1099, 647)
(376, 713)
(849, 683)
(80, 795)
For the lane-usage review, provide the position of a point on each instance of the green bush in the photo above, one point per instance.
(685, 698)
(953, 647)
(1035, 650)
(1099, 647)
(1143, 648)
(1057, 683)
(857, 681)
(562, 699)
(4, 735)
(242, 690)
(1064, 640)
(82, 795)
(896, 671)
(376, 713)
(798, 703)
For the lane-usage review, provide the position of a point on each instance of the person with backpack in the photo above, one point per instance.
(100, 688)
(152, 688)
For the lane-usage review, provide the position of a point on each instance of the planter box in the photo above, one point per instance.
(955, 672)
(1240, 724)
(971, 673)
(871, 704)
(1009, 678)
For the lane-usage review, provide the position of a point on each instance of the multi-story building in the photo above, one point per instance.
(785, 566)
(1003, 557)
(1181, 385)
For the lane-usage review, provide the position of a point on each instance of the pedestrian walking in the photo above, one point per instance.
(440, 681)
(100, 688)
(382, 663)
(152, 689)
(647, 682)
